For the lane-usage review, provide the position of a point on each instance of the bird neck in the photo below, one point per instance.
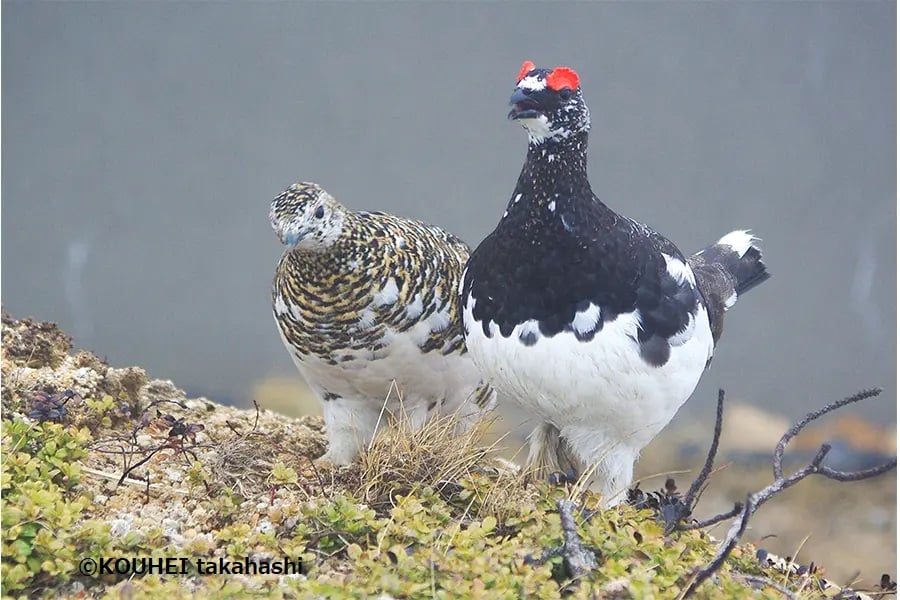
(556, 168)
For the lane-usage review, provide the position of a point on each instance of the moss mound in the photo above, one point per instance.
(102, 463)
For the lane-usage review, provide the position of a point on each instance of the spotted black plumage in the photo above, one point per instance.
(364, 300)
(547, 264)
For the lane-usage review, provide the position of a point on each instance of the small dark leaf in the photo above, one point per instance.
(637, 498)
(45, 407)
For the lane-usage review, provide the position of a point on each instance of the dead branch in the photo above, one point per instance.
(693, 495)
(738, 507)
(781, 483)
(579, 560)
(778, 457)
(763, 582)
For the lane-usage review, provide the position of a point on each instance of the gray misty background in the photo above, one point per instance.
(142, 143)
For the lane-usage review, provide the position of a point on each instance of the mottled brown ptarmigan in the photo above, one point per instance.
(364, 300)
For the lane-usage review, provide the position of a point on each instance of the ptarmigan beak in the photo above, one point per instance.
(523, 106)
(292, 238)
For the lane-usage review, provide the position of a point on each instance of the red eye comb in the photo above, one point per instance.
(562, 77)
(526, 67)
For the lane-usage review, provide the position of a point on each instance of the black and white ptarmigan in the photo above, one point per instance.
(594, 323)
(365, 300)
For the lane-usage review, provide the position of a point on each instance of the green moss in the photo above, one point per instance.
(427, 544)
(425, 548)
(426, 530)
(42, 506)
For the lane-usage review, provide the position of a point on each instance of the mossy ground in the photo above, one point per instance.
(422, 515)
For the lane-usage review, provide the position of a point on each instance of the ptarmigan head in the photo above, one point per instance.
(548, 103)
(306, 217)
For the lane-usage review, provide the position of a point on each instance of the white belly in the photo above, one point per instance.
(601, 387)
(401, 370)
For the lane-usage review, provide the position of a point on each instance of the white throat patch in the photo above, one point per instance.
(539, 130)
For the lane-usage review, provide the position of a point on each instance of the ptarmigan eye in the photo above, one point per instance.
(320, 212)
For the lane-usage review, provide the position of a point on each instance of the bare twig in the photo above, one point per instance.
(155, 403)
(857, 475)
(680, 508)
(132, 482)
(178, 432)
(256, 419)
(762, 581)
(781, 483)
(134, 466)
(778, 458)
(316, 473)
(738, 507)
(692, 496)
(727, 545)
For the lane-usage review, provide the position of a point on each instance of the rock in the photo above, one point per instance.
(33, 343)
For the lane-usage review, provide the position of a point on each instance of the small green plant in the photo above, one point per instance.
(41, 507)
(282, 474)
(103, 407)
(331, 525)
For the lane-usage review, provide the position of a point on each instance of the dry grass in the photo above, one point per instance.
(443, 456)
(402, 457)
(240, 464)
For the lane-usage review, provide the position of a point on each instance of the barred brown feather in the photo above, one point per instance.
(364, 299)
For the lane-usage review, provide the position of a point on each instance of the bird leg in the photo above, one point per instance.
(350, 426)
(548, 454)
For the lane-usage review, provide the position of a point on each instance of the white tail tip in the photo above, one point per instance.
(739, 240)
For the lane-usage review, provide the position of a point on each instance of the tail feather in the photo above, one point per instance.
(724, 271)
(751, 271)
